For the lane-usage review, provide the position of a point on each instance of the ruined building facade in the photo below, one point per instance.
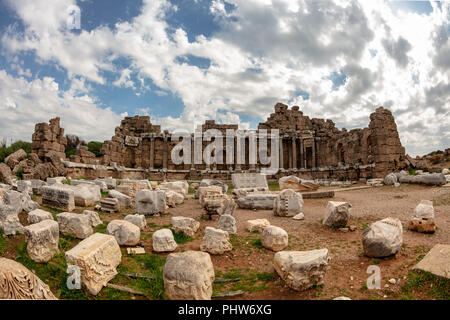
(309, 148)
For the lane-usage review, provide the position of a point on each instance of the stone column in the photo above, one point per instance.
(281, 154)
(314, 164)
(290, 154)
(294, 153)
(237, 165)
(304, 157)
(301, 152)
(165, 151)
(192, 152)
(152, 151)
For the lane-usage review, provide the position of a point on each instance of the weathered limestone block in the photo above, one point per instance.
(211, 182)
(42, 240)
(422, 225)
(110, 204)
(215, 241)
(383, 238)
(137, 219)
(150, 202)
(243, 192)
(173, 198)
(337, 214)
(36, 185)
(274, 238)
(58, 197)
(94, 218)
(111, 183)
(163, 241)
(86, 195)
(187, 226)
(257, 201)
(375, 182)
(38, 215)
(208, 191)
(13, 159)
(24, 186)
(74, 224)
(257, 225)
(436, 261)
(124, 200)
(5, 172)
(10, 207)
(219, 204)
(17, 282)
(437, 179)
(249, 180)
(28, 204)
(288, 203)
(390, 179)
(177, 186)
(301, 270)
(297, 184)
(188, 276)
(97, 257)
(126, 233)
(424, 209)
(227, 223)
(56, 180)
(132, 187)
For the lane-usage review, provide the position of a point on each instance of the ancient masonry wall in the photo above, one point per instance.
(309, 148)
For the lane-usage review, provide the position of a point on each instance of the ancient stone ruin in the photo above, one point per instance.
(309, 148)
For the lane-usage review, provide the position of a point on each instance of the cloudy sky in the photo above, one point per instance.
(185, 61)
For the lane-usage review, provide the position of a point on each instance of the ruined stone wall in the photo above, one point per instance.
(49, 138)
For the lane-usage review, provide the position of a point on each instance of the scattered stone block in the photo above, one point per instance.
(249, 180)
(97, 257)
(187, 226)
(208, 191)
(257, 201)
(132, 187)
(215, 241)
(219, 204)
(150, 202)
(436, 261)
(74, 224)
(124, 200)
(42, 240)
(110, 205)
(299, 216)
(211, 182)
(181, 187)
(288, 203)
(297, 184)
(424, 209)
(390, 179)
(173, 198)
(137, 219)
(86, 195)
(422, 225)
(10, 207)
(94, 218)
(257, 225)
(337, 214)
(163, 241)
(126, 233)
(58, 197)
(383, 238)
(274, 238)
(189, 276)
(301, 270)
(227, 223)
(137, 250)
(38, 215)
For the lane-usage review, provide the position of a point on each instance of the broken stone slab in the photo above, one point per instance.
(42, 240)
(218, 204)
(257, 225)
(137, 219)
(300, 216)
(94, 218)
(211, 182)
(188, 226)
(36, 185)
(163, 241)
(14, 158)
(383, 238)
(301, 270)
(436, 261)
(132, 187)
(208, 191)
(74, 224)
(5, 172)
(86, 195)
(437, 179)
(375, 182)
(227, 223)
(20, 283)
(337, 214)
(288, 203)
(181, 187)
(24, 186)
(297, 184)
(137, 250)
(390, 179)
(150, 202)
(173, 198)
(124, 200)
(424, 209)
(242, 192)
(97, 257)
(249, 180)
(110, 204)
(189, 275)
(318, 194)
(111, 183)
(56, 180)
(27, 203)
(257, 201)
(216, 241)
(38, 215)
(126, 233)
(274, 238)
(59, 197)
(422, 225)
(10, 207)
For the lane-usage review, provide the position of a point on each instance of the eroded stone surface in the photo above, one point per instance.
(42, 240)
(150, 202)
(288, 203)
(38, 215)
(215, 241)
(257, 201)
(424, 209)
(187, 226)
(124, 200)
(274, 238)
(74, 224)
(58, 196)
(94, 218)
(126, 233)
(383, 238)
(163, 241)
(436, 261)
(227, 223)
(257, 225)
(337, 214)
(137, 219)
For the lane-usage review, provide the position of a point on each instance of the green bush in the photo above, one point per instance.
(6, 151)
(94, 147)
(71, 152)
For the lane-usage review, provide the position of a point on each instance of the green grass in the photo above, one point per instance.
(412, 172)
(2, 244)
(257, 243)
(180, 237)
(425, 282)
(250, 281)
(100, 228)
(273, 186)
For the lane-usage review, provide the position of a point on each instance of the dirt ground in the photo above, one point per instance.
(347, 268)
